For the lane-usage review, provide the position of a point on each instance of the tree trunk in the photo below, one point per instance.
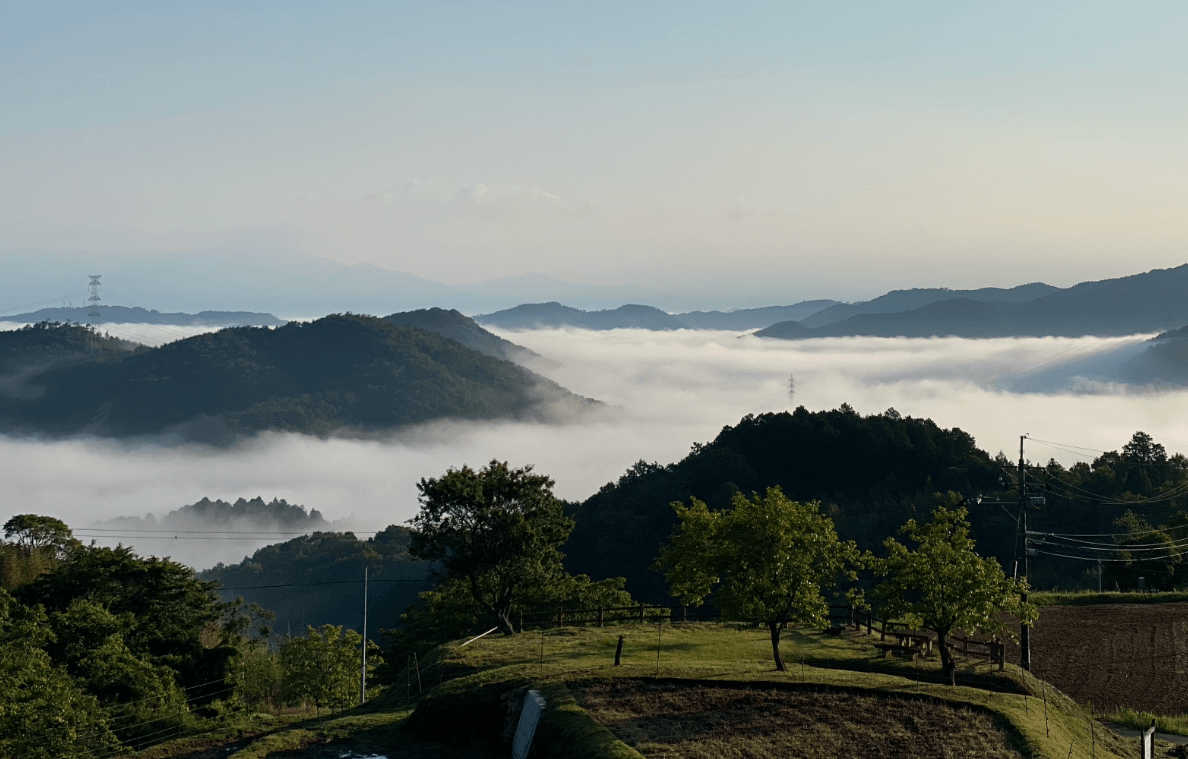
(505, 623)
(948, 666)
(776, 628)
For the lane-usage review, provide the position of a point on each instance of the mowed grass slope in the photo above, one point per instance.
(833, 667)
(711, 691)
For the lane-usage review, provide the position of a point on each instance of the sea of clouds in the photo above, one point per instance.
(664, 390)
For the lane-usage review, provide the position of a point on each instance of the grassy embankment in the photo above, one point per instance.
(1093, 598)
(715, 659)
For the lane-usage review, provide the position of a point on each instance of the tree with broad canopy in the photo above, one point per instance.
(768, 558)
(498, 529)
(943, 585)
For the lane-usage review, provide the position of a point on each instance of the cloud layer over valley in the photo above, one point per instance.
(666, 390)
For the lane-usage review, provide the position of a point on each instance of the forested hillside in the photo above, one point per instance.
(318, 579)
(340, 372)
(465, 330)
(873, 473)
(46, 342)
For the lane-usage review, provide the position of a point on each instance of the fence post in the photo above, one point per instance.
(521, 621)
(641, 613)
(1147, 742)
(684, 613)
(600, 616)
(883, 630)
(869, 624)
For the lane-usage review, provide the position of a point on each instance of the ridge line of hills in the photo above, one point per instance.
(339, 374)
(1153, 301)
(138, 315)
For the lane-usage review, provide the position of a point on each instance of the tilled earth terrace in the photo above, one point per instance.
(1113, 655)
(675, 719)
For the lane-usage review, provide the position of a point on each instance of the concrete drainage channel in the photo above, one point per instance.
(534, 706)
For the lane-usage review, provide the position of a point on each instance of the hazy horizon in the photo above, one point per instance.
(732, 154)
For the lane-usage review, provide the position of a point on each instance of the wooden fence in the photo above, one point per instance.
(602, 616)
(915, 643)
(907, 642)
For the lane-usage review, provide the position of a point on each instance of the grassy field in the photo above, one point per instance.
(1093, 598)
(702, 672)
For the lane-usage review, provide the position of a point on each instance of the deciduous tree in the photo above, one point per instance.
(768, 558)
(943, 585)
(498, 529)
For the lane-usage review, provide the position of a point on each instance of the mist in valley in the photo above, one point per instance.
(664, 391)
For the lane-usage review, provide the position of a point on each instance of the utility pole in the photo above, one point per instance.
(363, 671)
(1025, 630)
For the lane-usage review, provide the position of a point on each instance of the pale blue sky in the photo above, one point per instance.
(847, 147)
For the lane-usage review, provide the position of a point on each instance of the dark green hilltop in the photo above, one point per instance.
(341, 373)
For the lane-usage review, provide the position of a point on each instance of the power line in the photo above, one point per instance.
(1066, 445)
(12, 309)
(311, 584)
(260, 532)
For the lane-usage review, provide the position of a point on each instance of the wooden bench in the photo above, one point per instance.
(907, 652)
(909, 640)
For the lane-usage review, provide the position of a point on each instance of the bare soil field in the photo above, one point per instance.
(668, 718)
(1114, 655)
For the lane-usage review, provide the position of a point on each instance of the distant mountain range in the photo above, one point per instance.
(1154, 301)
(137, 315)
(898, 301)
(553, 314)
(340, 373)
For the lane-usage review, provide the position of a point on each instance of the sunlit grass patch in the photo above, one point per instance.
(1176, 725)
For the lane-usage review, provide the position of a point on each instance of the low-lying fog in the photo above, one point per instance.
(667, 389)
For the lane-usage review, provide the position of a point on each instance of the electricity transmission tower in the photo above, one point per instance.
(94, 319)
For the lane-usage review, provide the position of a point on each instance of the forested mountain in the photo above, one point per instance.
(1151, 302)
(138, 315)
(898, 301)
(318, 579)
(455, 326)
(873, 473)
(339, 372)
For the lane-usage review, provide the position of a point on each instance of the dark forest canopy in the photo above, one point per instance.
(872, 473)
(50, 342)
(342, 372)
(335, 558)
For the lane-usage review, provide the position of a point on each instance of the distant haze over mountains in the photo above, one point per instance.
(1151, 302)
(300, 285)
(632, 316)
(126, 315)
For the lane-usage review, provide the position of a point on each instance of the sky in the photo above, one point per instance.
(837, 149)
(665, 391)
